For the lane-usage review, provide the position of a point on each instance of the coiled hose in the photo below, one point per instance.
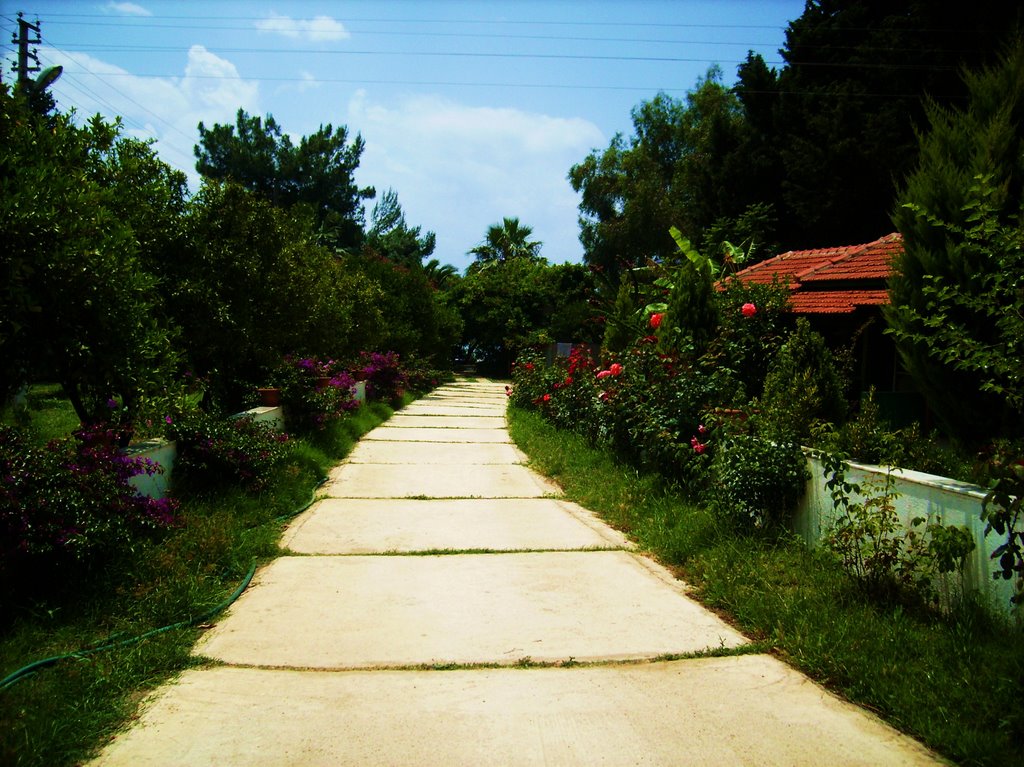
(31, 668)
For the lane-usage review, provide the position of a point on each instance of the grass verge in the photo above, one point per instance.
(63, 713)
(956, 683)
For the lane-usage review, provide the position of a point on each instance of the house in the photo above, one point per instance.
(841, 291)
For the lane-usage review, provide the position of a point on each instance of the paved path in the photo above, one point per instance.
(397, 629)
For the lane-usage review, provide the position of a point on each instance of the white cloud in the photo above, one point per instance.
(318, 29)
(458, 169)
(128, 9)
(168, 109)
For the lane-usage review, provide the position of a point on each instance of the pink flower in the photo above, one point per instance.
(656, 319)
(702, 429)
(699, 448)
(604, 374)
(615, 369)
(749, 310)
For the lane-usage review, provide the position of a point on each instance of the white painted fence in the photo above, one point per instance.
(937, 499)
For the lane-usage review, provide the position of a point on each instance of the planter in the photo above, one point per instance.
(269, 397)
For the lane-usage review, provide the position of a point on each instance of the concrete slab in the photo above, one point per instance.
(368, 480)
(360, 526)
(365, 612)
(750, 710)
(419, 453)
(422, 421)
(468, 398)
(391, 434)
(419, 407)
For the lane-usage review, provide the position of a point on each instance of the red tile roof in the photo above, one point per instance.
(832, 280)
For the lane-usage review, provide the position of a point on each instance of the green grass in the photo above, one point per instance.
(63, 713)
(49, 414)
(956, 682)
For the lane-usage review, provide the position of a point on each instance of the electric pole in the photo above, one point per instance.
(24, 40)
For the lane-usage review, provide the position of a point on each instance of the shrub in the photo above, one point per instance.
(759, 482)
(215, 451)
(314, 392)
(71, 500)
(383, 374)
(802, 387)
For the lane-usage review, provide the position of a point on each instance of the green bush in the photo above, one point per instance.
(758, 482)
(802, 388)
(215, 451)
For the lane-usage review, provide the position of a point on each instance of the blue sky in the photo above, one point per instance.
(471, 110)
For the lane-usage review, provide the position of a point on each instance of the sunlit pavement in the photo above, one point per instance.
(442, 605)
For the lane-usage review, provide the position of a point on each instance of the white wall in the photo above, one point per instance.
(938, 499)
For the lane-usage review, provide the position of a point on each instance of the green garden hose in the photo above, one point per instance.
(31, 668)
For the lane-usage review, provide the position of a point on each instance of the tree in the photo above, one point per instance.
(507, 241)
(955, 301)
(318, 172)
(77, 305)
(682, 167)
(517, 303)
(392, 238)
(849, 101)
(252, 285)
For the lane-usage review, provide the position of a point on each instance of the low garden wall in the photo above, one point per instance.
(163, 453)
(937, 499)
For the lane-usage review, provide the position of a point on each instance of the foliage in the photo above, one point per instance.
(691, 314)
(667, 173)
(506, 241)
(802, 387)
(1002, 512)
(955, 306)
(392, 238)
(77, 306)
(319, 172)
(70, 501)
(758, 482)
(314, 392)
(410, 315)
(382, 371)
(252, 286)
(888, 559)
(512, 305)
(215, 451)
(746, 344)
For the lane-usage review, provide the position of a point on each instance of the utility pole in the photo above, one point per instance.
(23, 40)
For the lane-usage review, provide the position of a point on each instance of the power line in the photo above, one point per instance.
(123, 95)
(144, 21)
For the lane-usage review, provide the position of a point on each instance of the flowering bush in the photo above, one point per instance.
(383, 374)
(314, 392)
(213, 451)
(71, 500)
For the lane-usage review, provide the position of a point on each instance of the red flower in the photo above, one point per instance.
(546, 398)
(529, 366)
(749, 310)
(615, 369)
(604, 374)
(656, 319)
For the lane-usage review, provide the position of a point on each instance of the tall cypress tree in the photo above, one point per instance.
(968, 158)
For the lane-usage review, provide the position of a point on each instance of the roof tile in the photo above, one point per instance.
(820, 280)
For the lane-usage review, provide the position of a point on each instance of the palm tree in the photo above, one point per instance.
(439, 274)
(506, 241)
